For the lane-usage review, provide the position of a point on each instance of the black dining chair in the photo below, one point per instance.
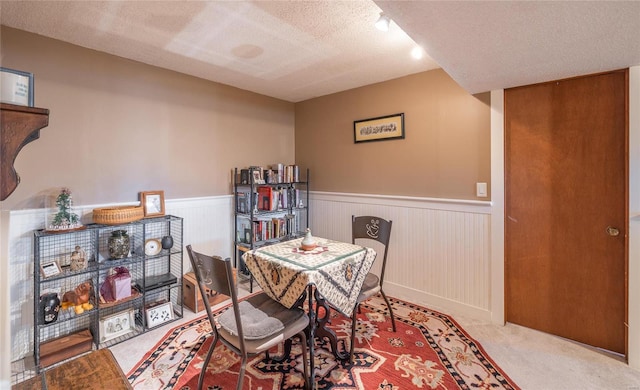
(250, 326)
(378, 229)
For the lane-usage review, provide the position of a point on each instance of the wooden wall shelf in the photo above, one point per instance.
(19, 125)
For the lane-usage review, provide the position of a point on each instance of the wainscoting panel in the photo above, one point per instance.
(208, 225)
(439, 254)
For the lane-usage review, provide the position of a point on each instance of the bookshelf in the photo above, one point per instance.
(271, 205)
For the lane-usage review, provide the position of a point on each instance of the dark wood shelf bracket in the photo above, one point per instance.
(19, 125)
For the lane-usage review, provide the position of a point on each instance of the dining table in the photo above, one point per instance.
(328, 276)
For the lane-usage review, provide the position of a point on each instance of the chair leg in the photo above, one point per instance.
(285, 354)
(243, 368)
(206, 363)
(305, 362)
(287, 349)
(354, 324)
(393, 320)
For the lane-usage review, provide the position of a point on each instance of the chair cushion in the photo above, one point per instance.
(261, 317)
(370, 287)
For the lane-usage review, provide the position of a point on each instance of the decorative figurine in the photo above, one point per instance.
(49, 307)
(308, 242)
(78, 260)
(79, 298)
(64, 219)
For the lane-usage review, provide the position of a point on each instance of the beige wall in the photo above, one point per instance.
(118, 127)
(445, 152)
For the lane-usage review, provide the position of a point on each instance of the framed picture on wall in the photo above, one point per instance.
(379, 129)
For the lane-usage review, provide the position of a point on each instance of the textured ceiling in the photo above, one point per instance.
(486, 45)
(297, 50)
(285, 49)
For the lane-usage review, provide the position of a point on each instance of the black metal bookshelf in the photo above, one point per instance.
(259, 221)
(156, 281)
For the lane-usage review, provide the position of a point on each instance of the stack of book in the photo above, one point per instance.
(276, 174)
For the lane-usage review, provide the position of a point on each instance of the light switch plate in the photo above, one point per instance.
(481, 190)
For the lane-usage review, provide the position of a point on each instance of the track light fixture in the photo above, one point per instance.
(417, 52)
(383, 22)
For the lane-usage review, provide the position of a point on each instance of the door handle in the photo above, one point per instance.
(612, 231)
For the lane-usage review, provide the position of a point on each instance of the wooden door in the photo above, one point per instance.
(566, 197)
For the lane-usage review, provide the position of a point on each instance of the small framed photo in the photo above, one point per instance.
(153, 203)
(256, 173)
(50, 269)
(117, 325)
(159, 314)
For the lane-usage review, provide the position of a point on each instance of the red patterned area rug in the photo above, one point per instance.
(429, 350)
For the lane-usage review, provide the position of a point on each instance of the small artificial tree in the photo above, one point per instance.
(64, 218)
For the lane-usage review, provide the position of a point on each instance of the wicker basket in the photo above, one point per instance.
(118, 215)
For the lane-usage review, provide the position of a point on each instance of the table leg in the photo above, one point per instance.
(288, 343)
(318, 327)
(311, 339)
(323, 328)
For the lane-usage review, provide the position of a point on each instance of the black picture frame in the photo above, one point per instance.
(244, 176)
(381, 128)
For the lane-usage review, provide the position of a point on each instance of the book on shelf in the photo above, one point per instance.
(270, 228)
(243, 231)
(280, 173)
(295, 198)
(292, 223)
(284, 198)
(265, 194)
(242, 199)
(290, 174)
(245, 203)
(269, 198)
(275, 174)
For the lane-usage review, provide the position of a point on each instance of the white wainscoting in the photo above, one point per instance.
(439, 254)
(208, 225)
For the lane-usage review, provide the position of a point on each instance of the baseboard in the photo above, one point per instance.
(434, 302)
